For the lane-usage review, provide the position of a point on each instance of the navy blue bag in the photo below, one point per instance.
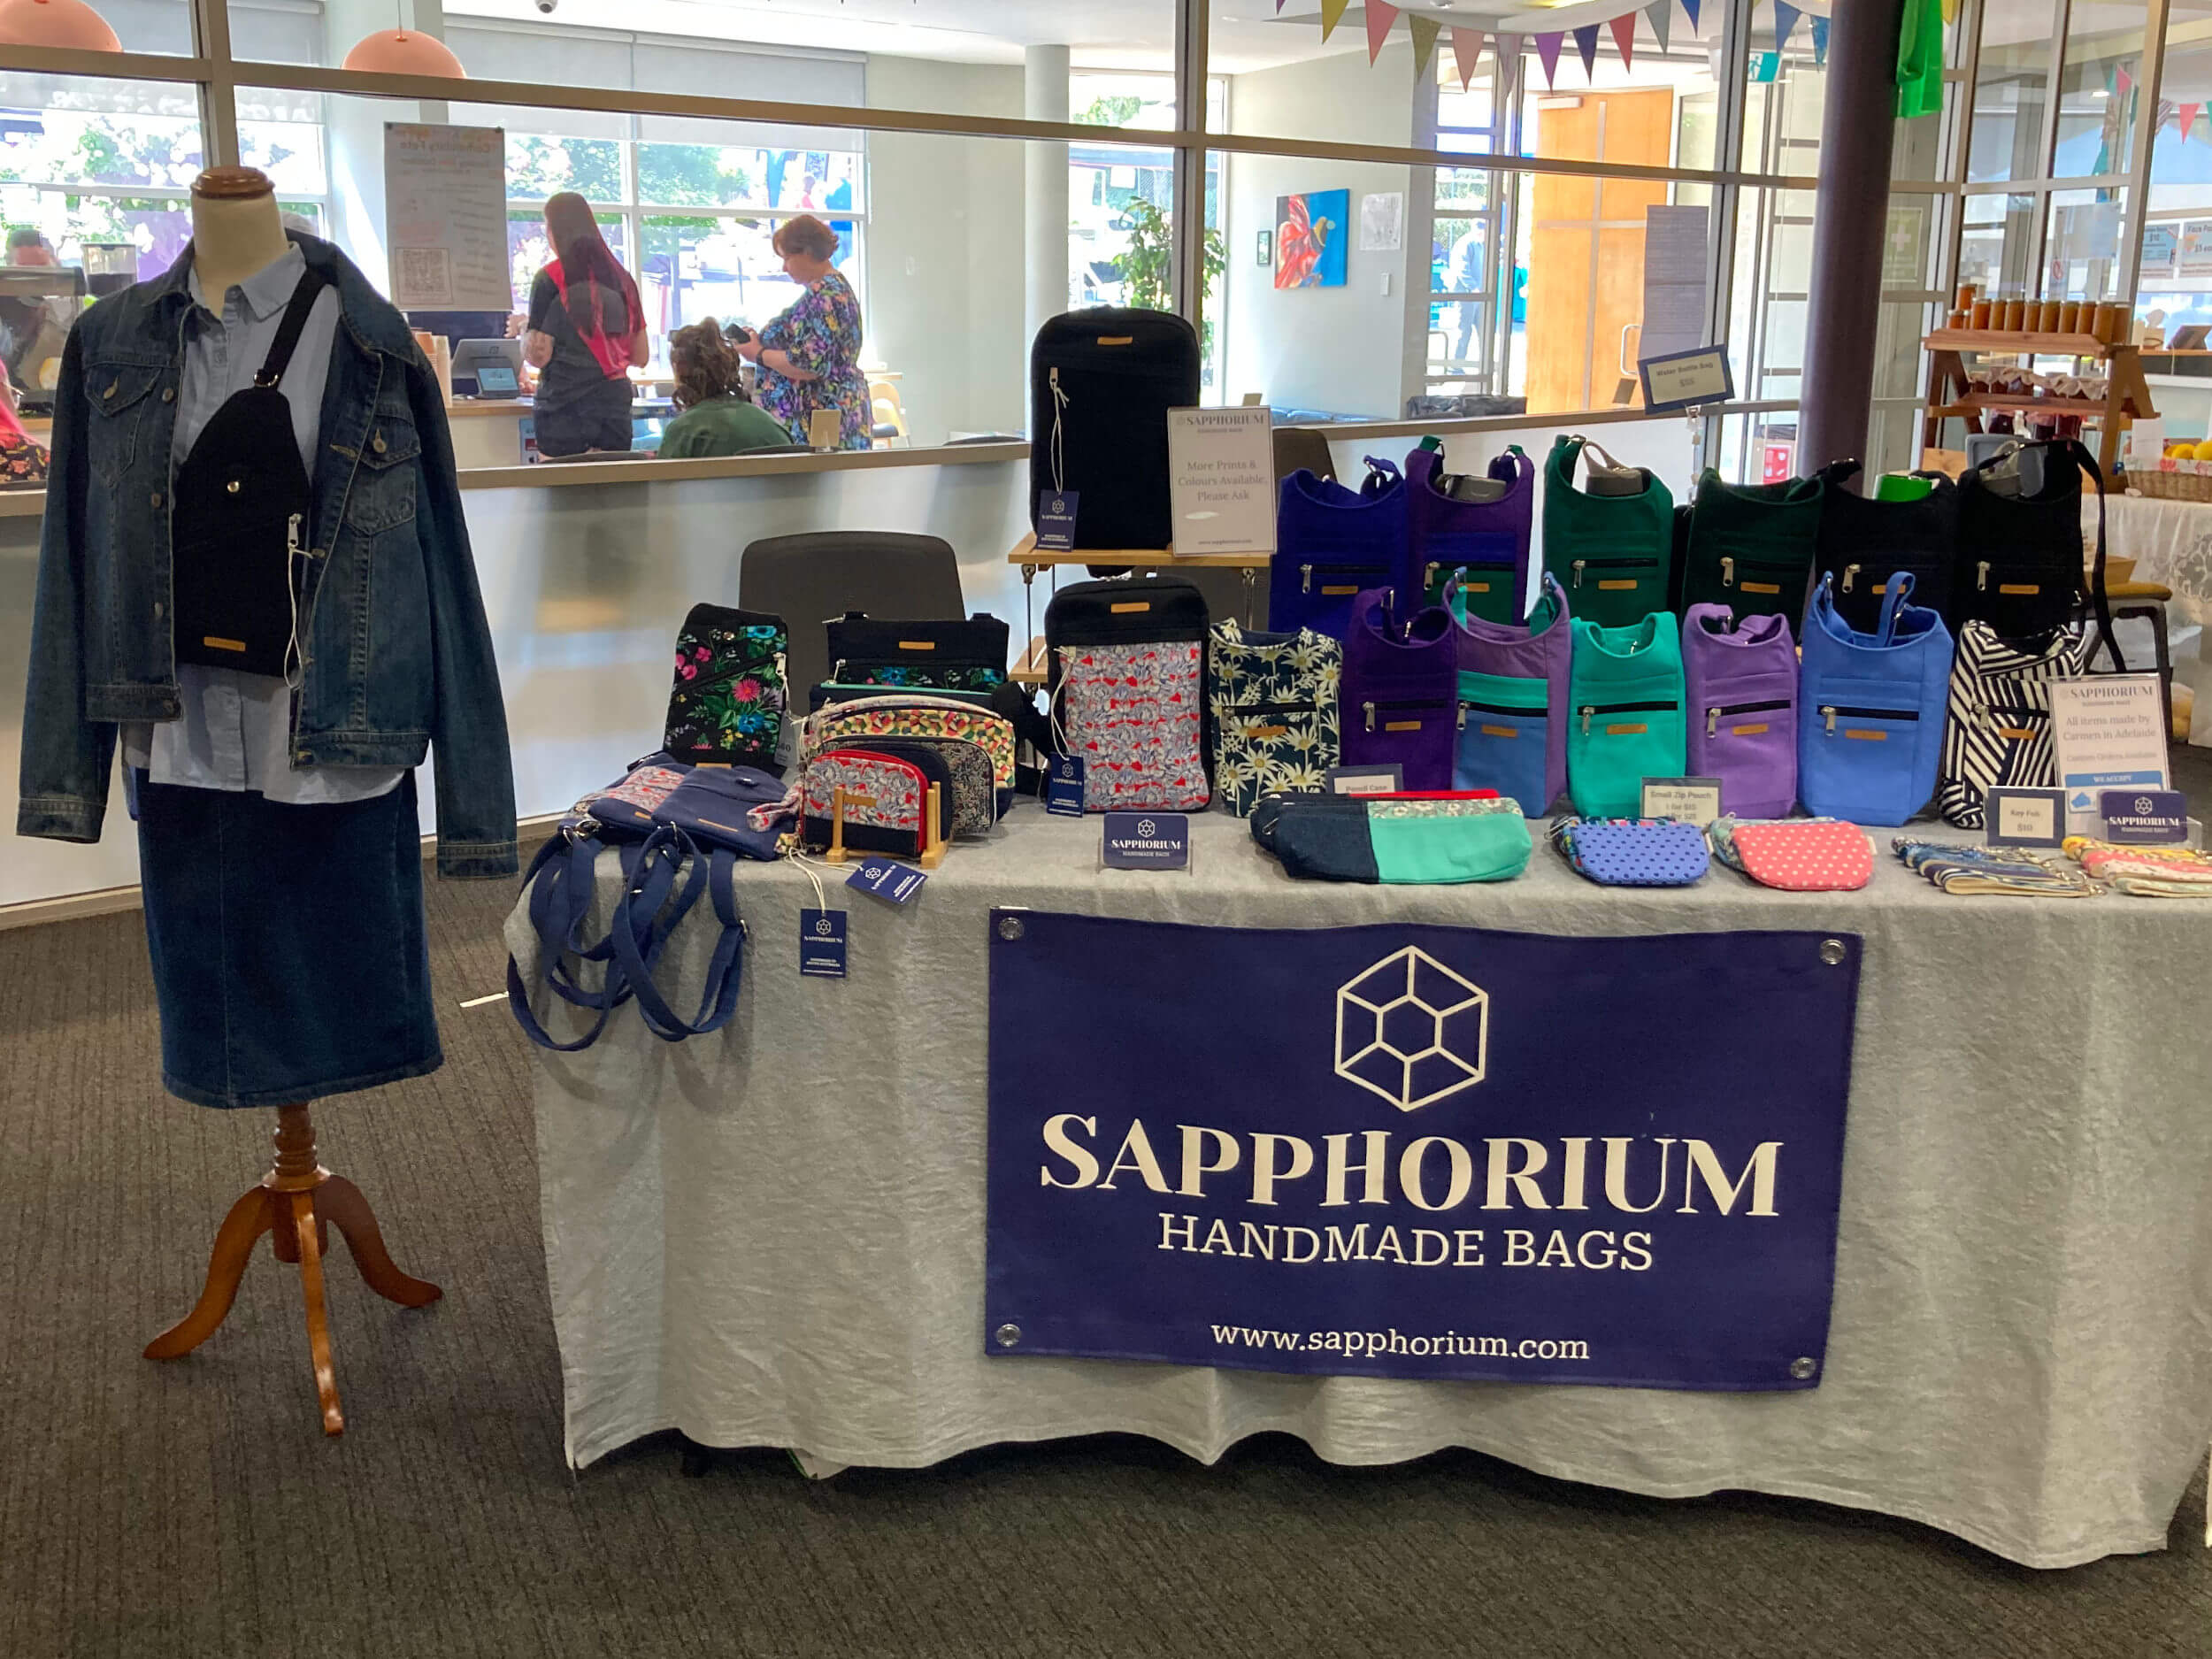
(1332, 544)
(1870, 708)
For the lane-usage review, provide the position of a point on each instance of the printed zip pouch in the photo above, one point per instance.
(1432, 839)
(867, 719)
(970, 797)
(1273, 698)
(1959, 869)
(1742, 683)
(727, 704)
(1625, 711)
(886, 796)
(1997, 718)
(1807, 855)
(933, 654)
(627, 809)
(1633, 852)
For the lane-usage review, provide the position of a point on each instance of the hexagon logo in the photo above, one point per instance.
(1410, 1030)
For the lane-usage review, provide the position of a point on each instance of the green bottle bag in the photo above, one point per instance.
(1613, 554)
(1623, 713)
(1751, 546)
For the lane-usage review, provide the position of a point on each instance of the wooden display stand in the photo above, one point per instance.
(297, 1200)
(2127, 394)
(932, 852)
(1029, 669)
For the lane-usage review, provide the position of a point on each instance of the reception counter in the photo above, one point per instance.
(587, 569)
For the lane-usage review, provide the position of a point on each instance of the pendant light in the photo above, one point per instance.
(63, 23)
(396, 52)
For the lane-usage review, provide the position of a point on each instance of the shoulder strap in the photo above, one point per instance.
(1894, 605)
(2099, 600)
(303, 297)
(664, 851)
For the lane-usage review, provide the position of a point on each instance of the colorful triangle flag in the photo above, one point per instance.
(1507, 48)
(1820, 43)
(1379, 17)
(2185, 116)
(1661, 16)
(1547, 51)
(1332, 14)
(1690, 6)
(1950, 13)
(1425, 31)
(1587, 43)
(1624, 28)
(1466, 48)
(2122, 80)
(1785, 18)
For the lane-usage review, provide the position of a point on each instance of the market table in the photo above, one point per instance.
(775, 1236)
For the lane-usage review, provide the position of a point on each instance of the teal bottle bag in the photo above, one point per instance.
(1613, 554)
(1623, 713)
(1751, 546)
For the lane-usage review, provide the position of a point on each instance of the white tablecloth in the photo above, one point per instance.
(775, 1236)
(2171, 542)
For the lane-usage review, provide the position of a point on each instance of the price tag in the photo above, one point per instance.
(882, 879)
(1691, 799)
(822, 944)
(1386, 779)
(2024, 818)
(1055, 520)
(1063, 786)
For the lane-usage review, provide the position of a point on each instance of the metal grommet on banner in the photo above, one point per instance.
(1832, 951)
(1010, 927)
(1008, 1335)
(1803, 1368)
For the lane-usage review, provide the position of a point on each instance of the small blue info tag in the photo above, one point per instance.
(881, 879)
(2148, 817)
(822, 944)
(1063, 786)
(1055, 520)
(1147, 840)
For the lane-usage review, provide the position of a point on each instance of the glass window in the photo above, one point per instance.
(2084, 232)
(1998, 246)
(2012, 89)
(98, 161)
(2097, 90)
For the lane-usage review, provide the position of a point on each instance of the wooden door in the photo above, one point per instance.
(1586, 263)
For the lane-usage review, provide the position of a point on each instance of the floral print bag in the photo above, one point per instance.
(1126, 691)
(728, 705)
(1273, 701)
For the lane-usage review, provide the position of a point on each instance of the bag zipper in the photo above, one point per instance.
(1728, 571)
(739, 672)
(2016, 718)
(1305, 575)
(1505, 708)
(1829, 710)
(1589, 709)
(1612, 565)
(1241, 709)
(1714, 713)
(1371, 705)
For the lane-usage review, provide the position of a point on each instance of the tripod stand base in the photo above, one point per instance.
(298, 1202)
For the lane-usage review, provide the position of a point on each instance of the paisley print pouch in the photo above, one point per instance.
(729, 697)
(914, 715)
(974, 806)
(1273, 698)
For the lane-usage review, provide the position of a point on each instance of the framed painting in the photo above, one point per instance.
(1310, 236)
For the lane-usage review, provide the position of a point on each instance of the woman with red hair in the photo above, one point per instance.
(587, 333)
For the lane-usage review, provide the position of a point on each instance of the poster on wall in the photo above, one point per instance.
(1382, 219)
(1417, 1151)
(1310, 231)
(445, 216)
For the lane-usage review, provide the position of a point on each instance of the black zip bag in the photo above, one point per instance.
(1865, 542)
(934, 655)
(2019, 562)
(1101, 383)
(728, 701)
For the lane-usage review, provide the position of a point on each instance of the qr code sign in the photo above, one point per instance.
(424, 277)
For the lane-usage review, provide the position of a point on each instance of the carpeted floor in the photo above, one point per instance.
(195, 1508)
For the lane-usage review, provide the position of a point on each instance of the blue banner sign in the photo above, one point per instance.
(1418, 1151)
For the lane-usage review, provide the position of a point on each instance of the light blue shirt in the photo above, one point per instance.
(235, 732)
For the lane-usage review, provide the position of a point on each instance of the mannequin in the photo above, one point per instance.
(236, 235)
(235, 229)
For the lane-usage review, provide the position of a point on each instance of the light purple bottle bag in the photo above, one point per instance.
(1742, 708)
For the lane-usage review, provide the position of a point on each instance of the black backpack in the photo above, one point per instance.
(1863, 542)
(1101, 383)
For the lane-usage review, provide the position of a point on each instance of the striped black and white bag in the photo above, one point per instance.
(1997, 723)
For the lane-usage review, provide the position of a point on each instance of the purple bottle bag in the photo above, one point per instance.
(1742, 708)
(1541, 648)
(1398, 698)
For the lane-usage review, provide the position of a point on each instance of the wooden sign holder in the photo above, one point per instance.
(295, 1201)
(932, 852)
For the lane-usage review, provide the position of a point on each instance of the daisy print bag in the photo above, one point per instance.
(1126, 685)
(1272, 698)
(727, 704)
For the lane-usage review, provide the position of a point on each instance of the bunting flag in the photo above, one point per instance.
(1786, 16)
(1661, 16)
(1587, 43)
(1950, 13)
(1425, 31)
(1820, 43)
(1379, 17)
(1690, 7)
(2186, 118)
(1332, 14)
(1624, 28)
(1466, 48)
(1507, 48)
(2123, 81)
(1548, 50)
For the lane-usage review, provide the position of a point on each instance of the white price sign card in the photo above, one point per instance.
(1221, 479)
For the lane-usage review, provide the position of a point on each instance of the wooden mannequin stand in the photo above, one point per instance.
(296, 1202)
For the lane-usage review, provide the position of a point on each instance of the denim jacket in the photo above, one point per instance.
(398, 652)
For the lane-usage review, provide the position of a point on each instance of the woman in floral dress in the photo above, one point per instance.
(809, 355)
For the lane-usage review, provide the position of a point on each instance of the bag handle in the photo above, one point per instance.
(2098, 599)
(560, 882)
(663, 853)
(1382, 477)
(1894, 605)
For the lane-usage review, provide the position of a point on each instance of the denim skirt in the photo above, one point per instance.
(289, 960)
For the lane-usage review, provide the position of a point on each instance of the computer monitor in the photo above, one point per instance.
(474, 360)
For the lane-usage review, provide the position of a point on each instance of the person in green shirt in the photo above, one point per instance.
(716, 416)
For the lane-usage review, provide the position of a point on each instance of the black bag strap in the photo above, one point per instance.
(2099, 600)
(287, 338)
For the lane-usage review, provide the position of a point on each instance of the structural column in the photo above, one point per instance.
(1045, 190)
(1849, 214)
